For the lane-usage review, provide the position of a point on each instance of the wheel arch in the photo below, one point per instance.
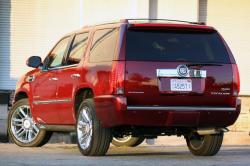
(20, 95)
(80, 95)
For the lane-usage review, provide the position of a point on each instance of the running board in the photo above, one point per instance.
(64, 128)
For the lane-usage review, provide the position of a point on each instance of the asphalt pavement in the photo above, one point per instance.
(176, 154)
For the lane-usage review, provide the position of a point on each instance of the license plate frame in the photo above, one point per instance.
(181, 85)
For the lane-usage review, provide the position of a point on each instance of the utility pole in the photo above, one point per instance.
(153, 9)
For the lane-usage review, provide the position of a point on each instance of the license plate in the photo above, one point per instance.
(181, 85)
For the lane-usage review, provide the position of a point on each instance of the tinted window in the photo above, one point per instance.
(103, 45)
(57, 54)
(187, 46)
(77, 49)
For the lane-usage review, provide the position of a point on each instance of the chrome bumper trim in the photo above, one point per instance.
(181, 108)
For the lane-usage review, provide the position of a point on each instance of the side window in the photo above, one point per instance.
(77, 49)
(103, 45)
(57, 54)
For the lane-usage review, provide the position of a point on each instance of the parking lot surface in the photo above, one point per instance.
(62, 154)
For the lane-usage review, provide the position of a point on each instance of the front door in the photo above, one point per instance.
(44, 86)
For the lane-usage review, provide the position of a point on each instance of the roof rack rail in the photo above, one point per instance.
(105, 23)
(143, 19)
(167, 20)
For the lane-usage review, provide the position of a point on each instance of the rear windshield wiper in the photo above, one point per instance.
(203, 64)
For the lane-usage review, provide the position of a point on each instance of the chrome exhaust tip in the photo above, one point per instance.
(209, 131)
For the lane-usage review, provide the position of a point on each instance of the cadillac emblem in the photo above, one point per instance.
(182, 70)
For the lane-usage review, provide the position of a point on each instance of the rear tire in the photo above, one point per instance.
(128, 141)
(22, 129)
(207, 145)
(92, 138)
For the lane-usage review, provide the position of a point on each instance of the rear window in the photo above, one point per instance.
(77, 49)
(173, 45)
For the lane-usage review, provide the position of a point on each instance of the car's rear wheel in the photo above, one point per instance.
(92, 138)
(128, 141)
(206, 145)
(22, 129)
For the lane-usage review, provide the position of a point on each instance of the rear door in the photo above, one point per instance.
(69, 76)
(177, 67)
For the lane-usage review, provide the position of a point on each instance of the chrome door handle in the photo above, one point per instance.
(75, 76)
(53, 79)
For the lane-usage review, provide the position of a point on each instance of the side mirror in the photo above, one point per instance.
(34, 61)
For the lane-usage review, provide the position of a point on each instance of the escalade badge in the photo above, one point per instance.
(182, 70)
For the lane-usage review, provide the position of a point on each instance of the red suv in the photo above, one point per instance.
(126, 81)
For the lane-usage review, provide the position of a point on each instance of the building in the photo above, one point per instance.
(32, 27)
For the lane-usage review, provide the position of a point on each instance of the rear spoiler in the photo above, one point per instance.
(165, 24)
(170, 26)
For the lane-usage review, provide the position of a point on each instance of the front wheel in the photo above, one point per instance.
(128, 141)
(92, 138)
(206, 145)
(22, 129)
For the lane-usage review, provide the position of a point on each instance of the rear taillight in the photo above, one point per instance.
(117, 77)
(236, 80)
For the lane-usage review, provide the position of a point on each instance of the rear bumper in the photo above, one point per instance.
(113, 111)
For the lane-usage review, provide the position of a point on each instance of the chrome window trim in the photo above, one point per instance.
(61, 67)
(173, 73)
(180, 108)
(51, 101)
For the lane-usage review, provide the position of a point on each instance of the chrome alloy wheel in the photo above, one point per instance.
(22, 126)
(123, 139)
(84, 128)
(196, 142)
